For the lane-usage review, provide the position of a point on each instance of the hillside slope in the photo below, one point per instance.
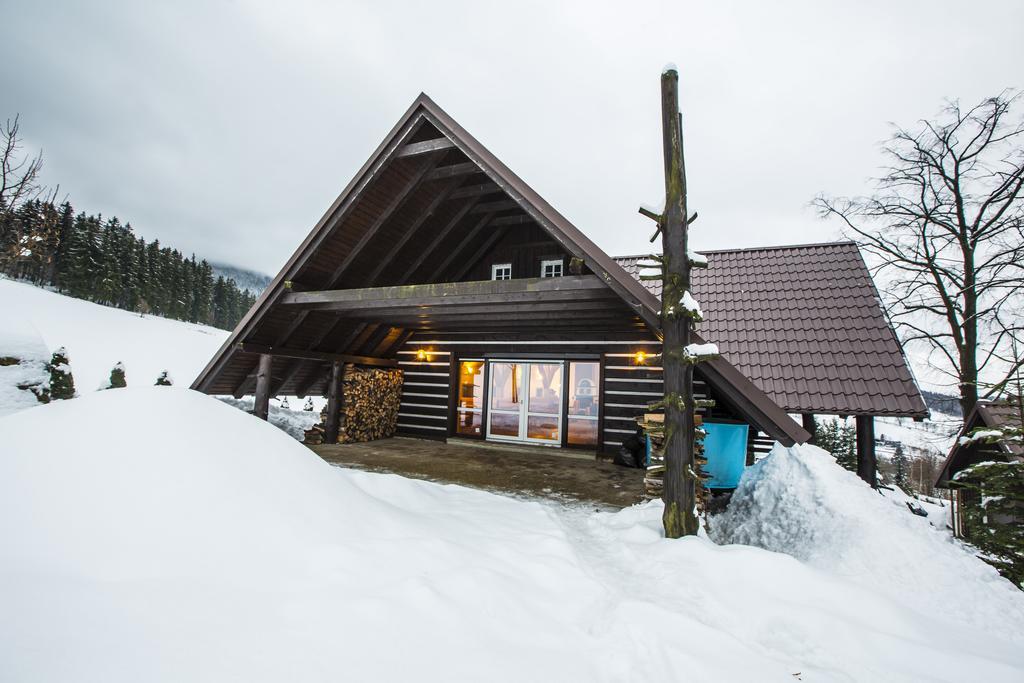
(96, 337)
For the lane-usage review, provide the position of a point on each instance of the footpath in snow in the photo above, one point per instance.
(158, 534)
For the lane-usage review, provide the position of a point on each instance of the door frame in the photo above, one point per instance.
(524, 409)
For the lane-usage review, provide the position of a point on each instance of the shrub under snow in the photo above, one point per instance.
(798, 501)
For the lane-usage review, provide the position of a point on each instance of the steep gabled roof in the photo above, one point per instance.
(364, 240)
(805, 324)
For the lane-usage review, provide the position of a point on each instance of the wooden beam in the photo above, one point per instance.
(520, 219)
(488, 244)
(305, 354)
(382, 218)
(439, 238)
(808, 424)
(410, 232)
(261, 406)
(415, 148)
(610, 306)
(463, 243)
(375, 339)
(449, 293)
(334, 400)
(476, 190)
(866, 466)
(503, 205)
(454, 170)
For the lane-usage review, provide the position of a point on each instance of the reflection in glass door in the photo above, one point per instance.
(469, 409)
(525, 402)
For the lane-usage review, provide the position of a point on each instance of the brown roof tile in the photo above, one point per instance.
(804, 323)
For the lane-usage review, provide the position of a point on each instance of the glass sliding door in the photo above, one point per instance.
(525, 401)
(583, 404)
(469, 409)
(506, 412)
(544, 408)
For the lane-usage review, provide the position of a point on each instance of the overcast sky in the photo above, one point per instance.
(227, 128)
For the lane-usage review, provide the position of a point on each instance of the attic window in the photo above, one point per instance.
(552, 268)
(501, 271)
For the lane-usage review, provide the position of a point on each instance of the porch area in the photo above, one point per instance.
(531, 471)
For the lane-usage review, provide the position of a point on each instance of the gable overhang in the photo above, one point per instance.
(409, 159)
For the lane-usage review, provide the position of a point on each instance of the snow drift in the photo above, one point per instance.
(157, 534)
(798, 501)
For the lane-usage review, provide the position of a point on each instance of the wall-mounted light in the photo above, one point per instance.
(639, 357)
(421, 354)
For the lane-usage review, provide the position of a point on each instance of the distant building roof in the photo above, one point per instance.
(986, 415)
(805, 324)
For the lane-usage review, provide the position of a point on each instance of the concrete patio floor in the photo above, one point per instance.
(558, 474)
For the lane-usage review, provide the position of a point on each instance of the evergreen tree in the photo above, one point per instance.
(284, 404)
(840, 440)
(62, 383)
(309, 404)
(117, 379)
(164, 380)
(900, 464)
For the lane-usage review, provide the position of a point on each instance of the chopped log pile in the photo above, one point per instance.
(370, 400)
(653, 425)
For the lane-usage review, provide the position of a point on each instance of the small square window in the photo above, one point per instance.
(552, 268)
(501, 271)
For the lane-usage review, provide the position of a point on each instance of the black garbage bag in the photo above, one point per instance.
(633, 452)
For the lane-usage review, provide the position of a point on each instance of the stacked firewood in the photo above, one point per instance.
(370, 398)
(314, 436)
(653, 425)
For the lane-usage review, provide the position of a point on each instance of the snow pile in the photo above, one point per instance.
(97, 336)
(23, 359)
(798, 501)
(158, 534)
(691, 305)
(293, 422)
(700, 351)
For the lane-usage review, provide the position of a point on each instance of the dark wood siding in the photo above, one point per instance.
(626, 388)
(524, 248)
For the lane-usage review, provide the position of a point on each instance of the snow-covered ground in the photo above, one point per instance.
(96, 337)
(158, 534)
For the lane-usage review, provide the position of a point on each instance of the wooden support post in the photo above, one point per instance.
(261, 408)
(680, 482)
(808, 424)
(866, 468)
(334, 399)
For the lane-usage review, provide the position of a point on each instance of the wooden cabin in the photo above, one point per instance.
(510, 325)
(965, 452)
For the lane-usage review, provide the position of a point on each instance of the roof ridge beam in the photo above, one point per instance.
(424, 147)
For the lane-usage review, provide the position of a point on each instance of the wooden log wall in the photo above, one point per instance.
(429, 386)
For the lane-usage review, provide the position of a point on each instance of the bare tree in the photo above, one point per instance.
(946, 225)
(19, 173)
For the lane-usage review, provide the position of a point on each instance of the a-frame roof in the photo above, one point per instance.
(430, 184)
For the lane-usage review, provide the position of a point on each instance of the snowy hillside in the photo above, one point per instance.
(223, 550)
(96, 337)
(245, 279)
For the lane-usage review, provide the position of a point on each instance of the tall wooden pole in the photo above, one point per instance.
(679, 493)
(261, 404)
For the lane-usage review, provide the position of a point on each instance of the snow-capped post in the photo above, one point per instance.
(261, 404)
(678, 312)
